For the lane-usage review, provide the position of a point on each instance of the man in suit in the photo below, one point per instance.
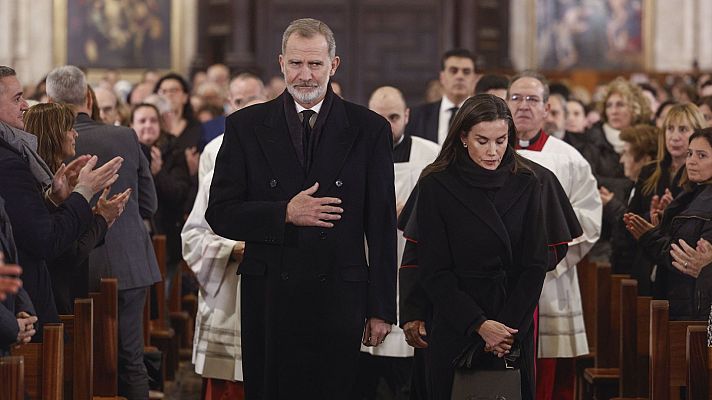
(303, 179)
(457, 76)
(127, 253)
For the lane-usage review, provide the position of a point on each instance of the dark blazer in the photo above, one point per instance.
(605, 162)
(479, 259)
(424, 121)
(12, 304)
(306, 291)
(127, 252)
(39, 234)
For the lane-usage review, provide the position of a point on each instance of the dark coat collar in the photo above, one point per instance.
(482, 207)
(337, 137)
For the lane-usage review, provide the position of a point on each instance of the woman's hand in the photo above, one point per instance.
(112, 208)
(498, 337)
(414, 333)
(606, 195)
(156, 160)
(636, 225)
(690, 261)
(658, 204)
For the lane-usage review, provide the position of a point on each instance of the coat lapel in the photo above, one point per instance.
(510, 193)
(477, 202)
(273, 137)
(337, 138)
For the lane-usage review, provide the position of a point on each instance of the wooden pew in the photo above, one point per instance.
(634, 342)
(79, 351)
(586, 272)
(696, 356)
(601, 381)
(43, 364)
(106, 338)
(182, 322)
(668, 372)
(12, 375)
(162, 335)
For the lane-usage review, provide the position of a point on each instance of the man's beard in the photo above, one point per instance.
(307, 97)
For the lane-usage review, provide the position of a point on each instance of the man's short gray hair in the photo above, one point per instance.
(4, 73)
(67, 84)
(308, 27)
(534, 75)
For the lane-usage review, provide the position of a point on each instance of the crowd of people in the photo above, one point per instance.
(475, 207)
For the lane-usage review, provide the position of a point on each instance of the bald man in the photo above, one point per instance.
(107, 102)
(392, 360)
(244, 89)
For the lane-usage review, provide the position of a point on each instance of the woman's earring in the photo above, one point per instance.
(464, 144)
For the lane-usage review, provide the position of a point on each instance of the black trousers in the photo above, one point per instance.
(133, 378)
(381, 378)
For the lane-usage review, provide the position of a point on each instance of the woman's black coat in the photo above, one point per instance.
(479, 259)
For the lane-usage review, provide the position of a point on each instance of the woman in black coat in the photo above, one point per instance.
(482, 247)
(685, 221)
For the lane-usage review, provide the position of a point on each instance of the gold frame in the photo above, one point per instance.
(59, 56)
(647, 32)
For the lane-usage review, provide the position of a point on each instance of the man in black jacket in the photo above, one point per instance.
(303, 179)
(457, 76)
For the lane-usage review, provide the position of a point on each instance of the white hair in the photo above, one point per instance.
(67, 84)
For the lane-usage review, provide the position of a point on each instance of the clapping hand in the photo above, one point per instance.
(691, 261)
(112, 208)
(65, 179)
(658, 204)
(636, 225)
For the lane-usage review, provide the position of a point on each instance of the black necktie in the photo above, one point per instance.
(306, 139)
(453, 111)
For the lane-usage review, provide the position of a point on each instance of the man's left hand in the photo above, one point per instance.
(375, 332)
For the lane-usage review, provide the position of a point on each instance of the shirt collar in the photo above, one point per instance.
(316, 108)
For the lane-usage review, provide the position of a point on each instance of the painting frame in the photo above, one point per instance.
(644, 56)
(61, 40)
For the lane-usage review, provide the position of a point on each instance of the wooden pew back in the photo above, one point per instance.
(696, 357)
(106, 338)
(668, 372)
(44, 364)
(12, 375)
(79, 351)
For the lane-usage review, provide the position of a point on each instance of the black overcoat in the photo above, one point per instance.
(479, 259)
(307, 291)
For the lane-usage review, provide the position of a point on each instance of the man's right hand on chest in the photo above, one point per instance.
(306, 210)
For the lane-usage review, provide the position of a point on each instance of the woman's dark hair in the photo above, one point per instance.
(479, 108)
(704, 133)
(661, 107)
(187, 108)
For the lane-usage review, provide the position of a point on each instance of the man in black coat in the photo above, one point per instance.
(46, 213)
(303, 195)
(127, 252)
(457, 77)
(17, 315)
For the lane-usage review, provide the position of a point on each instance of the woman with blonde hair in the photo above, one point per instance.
(687, 222)
(661, 181)
(53, 124)
(623, 105)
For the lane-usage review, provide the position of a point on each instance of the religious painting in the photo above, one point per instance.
(118, 33)
(591, 34)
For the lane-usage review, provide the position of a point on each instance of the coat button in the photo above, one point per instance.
(273, 183)
(284, 276)
(339, 183)
(322, 235)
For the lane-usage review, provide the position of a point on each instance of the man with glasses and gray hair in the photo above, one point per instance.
(561, 332)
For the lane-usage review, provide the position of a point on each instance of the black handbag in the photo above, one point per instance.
(476, 384)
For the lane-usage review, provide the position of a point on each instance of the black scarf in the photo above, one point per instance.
(482, 178)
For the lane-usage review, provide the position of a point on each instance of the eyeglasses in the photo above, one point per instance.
(518, 98)
(170, 90)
